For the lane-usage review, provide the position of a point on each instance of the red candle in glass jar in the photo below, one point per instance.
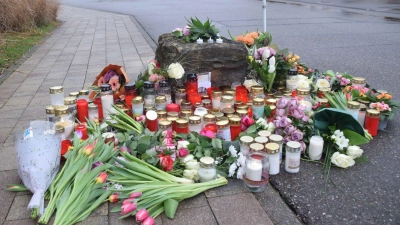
(211, 127)
(83, 131)
(97, 101)
(173, 121)
(182, 126)
(194, 98)
(172, 107)
(235, 127)
(210, 90)
(151, 120)
(130, 93)
(82, 108)
(273, 111)
(241, 94)
(192, 84)
(65, 144)
(372, 121)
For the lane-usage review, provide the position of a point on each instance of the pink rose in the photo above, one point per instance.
(186, 31)
(247, 121)
(207, 133)
(153, 77)
(168, 141)
(183, 152)
(282, 103)
(140, 118)
(168, 134)
(339, 76)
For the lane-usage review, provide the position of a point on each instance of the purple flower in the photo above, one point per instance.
(303, 146)
(297, 135)
(186, 31)
(284, 121)
(109, 74)
(282, 103)
(297, 113)
(258, 54)
(305, 118)
(339, 76)
(125, 149)
(96, 164)
(289, 129)
(279, 132)
(281, 112)
(293, 104)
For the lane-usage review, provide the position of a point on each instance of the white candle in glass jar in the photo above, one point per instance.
(254, 170)
(106, 104)
(316, 147)
(68, 126)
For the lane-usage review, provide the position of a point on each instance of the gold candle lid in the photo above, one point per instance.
(241, 107)
(227, 111)
(232, 116)
(181, 90)
(288, 95)
(165, 124)
(258, 101)
(50, 109)
(172, 118)
(278, 95)
(373, 113)
(226, 98)
(272, 148)
(161, 113)
(256, 147)
(359, 80)
(222, 118)
(217, 93)
(353, 105)
(261, 140)
(276, 138)
(301, 91)
(84, 92)
(61, 110)
(235, 121)
(59, 128)
(194, 119)
(209, 118)
(137, 100)
(161, 99)
(185, 103)
(287, 91)
(205, 97)
(230, 92)
(269, 95)
(293, 146)
(69, 100)
(365, 102)
(206, 102)
(257, 89)
(182, 123)
(281, 89)
(222, 124)
(74, 94)
(56, 89)
(215, 110)
(246, 140)
(323, 101)
(206, 162)
(264, 133)
(218, 114)
(186, 113)
(271, 101)
(241, 112)
(175, 114)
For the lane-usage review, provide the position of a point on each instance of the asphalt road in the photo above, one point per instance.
(357, 37)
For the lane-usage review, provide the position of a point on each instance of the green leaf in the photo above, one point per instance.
(216, 143)
(116, 208)
(267, 110)
(120, 136)
(199, 154)
(151, 153)
(207, 152)
(252, 129)
(191, 146)
(204, 143)
(355, 138)
(145, 140)
(170, 206)
(142, 148)
(133, 145)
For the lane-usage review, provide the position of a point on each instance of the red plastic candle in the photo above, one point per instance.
(83, 130)
(82, 110)
(372, 122)
(194, 98)
(65, 144)
(182, 126)
(241, 94)
(130, 93)
(235, 127)
(273, 111)
(97, 101)
(211, 127)
(172, 107)
(151, 120)
(192, 84)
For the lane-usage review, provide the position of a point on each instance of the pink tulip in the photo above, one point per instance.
(135, 195)
(101, 178)
(207, 133)
(128, 208)
(148, 221)
(128, 200)
(141, 215)
(183, 152)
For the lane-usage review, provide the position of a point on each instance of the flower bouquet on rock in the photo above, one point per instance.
(113, 75)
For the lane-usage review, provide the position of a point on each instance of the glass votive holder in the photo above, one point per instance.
(256, 174)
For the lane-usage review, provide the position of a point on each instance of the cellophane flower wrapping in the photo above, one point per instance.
(38, 158)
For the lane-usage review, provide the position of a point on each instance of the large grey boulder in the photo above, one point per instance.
(226, 62)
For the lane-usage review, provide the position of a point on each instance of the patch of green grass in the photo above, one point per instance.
(14, 45)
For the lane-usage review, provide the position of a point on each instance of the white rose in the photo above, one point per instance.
(182, 144)
(303, 84)
(322, 83)
(354, 151)
(175, 70)
(187, 158)
(272, 60)
(342, 160)
(192, 165)
(271, 68)
(151, 67)
(271, 127)
(191, 174)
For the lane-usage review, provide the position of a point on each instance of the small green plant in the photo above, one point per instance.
(200, 30)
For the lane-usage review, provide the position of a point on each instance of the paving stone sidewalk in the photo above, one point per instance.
(85, 42)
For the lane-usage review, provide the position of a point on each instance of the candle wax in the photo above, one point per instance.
(254, 170)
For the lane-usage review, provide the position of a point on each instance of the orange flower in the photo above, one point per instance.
(88, 149)
(113, 198)
(101, 178)
(239, 38)
(384, 95)
(248, 40)
(254, 35)
(247, 36)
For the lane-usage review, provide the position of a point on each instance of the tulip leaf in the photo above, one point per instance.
(207, 152)
(355, 138)
(170, 206)
(251, 129)
(216, 143)
(120, 137)
(116, 208)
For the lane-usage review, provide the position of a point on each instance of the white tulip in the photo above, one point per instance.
(271, 68)
(266, 54)
(192, 165)
(272, 60)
